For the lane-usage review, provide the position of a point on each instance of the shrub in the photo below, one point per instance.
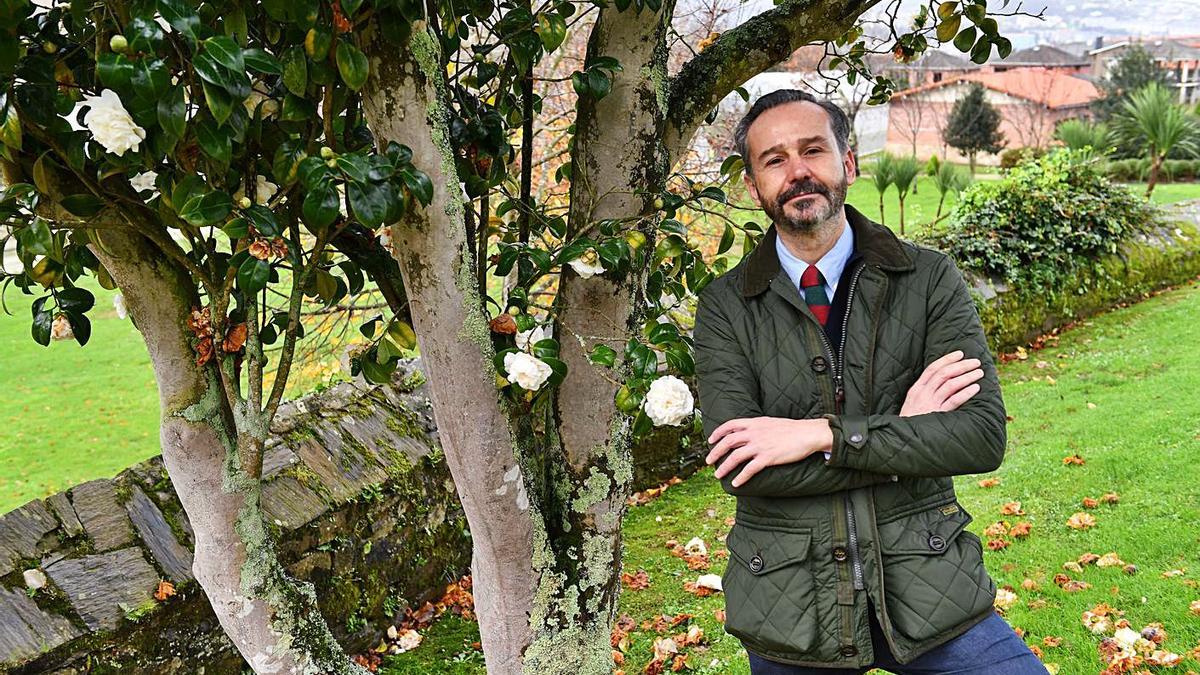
(1042, 220)
(1014, 156)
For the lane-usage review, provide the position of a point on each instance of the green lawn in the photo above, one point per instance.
(69, 413)
(1138, 438)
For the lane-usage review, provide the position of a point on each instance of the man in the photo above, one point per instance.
(844, 378)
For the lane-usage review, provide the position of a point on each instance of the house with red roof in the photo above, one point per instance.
(1031, 102)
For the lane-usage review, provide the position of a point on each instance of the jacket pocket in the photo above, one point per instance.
(770, 596)
(933, 573)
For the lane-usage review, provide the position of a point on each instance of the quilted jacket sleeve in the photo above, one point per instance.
(970, 439)
(729, 390)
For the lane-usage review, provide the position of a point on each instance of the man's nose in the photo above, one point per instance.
(799, 170)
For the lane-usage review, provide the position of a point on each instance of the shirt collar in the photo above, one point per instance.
(831, 264)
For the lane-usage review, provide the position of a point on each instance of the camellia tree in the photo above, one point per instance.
(212, 158)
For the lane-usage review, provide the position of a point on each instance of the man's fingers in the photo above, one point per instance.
(733, 461)
(748, 472)
(954, 384)
(937, 365)
(959, 398)
(727, 427)
(726, 444)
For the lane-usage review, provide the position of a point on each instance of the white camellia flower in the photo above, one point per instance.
(263, 190)
(669, 401)
(111, 124)
(712, 581)
(143, 181)
(587, 265)
(528, 371)
(119, 306)
(528, 338)
(258, 95)
(695, 547)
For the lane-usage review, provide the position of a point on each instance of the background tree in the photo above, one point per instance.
(1078, 134)
(224, 153)
(948, 178)
(1151, 119)
(974, 125)
(1132, 71)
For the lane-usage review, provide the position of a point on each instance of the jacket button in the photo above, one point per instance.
(856, 438)
(756, 564)
(819, 364)
(936, 542)
(839, 554)
(849, 650)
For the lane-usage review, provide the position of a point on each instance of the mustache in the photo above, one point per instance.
(804, 186)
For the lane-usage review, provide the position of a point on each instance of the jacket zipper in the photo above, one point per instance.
(839, 397)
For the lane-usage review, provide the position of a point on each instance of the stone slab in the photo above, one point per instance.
(103, 587)
(156, 533)
(66, 514)
(27, 630)
(21, 532)
(102, 516)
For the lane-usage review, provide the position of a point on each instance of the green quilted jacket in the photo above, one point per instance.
(813, 540)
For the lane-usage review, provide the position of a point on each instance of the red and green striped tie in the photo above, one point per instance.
(812, 283)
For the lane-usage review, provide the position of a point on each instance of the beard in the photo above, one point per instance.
(806, 216)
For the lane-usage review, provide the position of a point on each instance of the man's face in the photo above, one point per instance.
(800, 175)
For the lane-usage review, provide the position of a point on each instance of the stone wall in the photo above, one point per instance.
(359, 495)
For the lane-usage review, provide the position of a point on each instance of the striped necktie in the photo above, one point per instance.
(812, 284)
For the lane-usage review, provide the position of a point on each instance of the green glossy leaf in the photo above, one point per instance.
(182, 17)
(295, 70)
(982, 50)
(253, 275)
(144, 34)
(352, 65)
(43, 322)
(320, 207)
(75, 299)
(35, 238)
(226, 52)
(603, 355)
(402, 333)
(965, 39)
(215, 141)
(172, 112)
(206, 208)
(220, 103)
(552, 30)
(115, 71)
(948, 27)
(726, 240)
(263, 220)
(238, 228)
(83, 205)
(369, 202)
(262, 61)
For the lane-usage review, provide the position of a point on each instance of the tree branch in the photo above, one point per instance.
(743, 52)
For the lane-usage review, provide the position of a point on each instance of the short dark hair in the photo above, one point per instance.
(838, 120)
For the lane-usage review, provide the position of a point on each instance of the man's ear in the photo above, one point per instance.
(751, 188)
(850, 162)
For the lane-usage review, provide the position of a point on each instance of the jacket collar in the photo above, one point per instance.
(877, 244)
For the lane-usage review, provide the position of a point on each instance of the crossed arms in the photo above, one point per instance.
(952, 420)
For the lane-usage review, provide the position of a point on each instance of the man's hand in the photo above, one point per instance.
(760, 442)
(946, 384)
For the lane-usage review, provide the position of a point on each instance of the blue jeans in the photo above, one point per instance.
(990, 647)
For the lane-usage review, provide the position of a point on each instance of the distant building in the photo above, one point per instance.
(1031, 101)
(1041, 56)
(1180, 57)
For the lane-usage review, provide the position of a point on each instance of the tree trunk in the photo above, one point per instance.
(971, 160)
(273, 624)
(405, 100)
(1152, 179)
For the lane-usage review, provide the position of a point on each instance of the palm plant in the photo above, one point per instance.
(1151, 119)
(904, 174)
(881, 178)
(947, 179)
(1079, 134)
